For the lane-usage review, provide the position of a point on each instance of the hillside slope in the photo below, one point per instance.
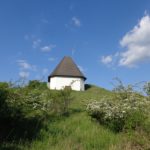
(78, 131)
(91, 93)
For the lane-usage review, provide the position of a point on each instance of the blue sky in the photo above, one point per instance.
(106, 38)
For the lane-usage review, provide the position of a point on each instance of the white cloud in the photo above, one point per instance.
(36, 43)
(76, 22)
(25, 68)
(73, 24)
(52, 59)
(48, 48)
(137, 44)
(106, 59)
(24, 65)
(24, 74)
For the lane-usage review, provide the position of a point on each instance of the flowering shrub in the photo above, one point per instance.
(147, 89)
(125, 110)
(37, 102)
(25, 109)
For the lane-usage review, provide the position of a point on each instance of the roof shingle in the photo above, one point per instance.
(67, 68)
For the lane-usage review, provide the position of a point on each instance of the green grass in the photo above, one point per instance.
(92, 93)
(77, 131)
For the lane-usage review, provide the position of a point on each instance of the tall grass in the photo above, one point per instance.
(75, 132)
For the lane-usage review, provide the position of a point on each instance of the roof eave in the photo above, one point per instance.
(50, 76)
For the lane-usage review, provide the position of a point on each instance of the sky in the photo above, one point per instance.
(105, 38)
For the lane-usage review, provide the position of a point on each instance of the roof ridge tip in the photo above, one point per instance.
(67, 67)
(67, 56)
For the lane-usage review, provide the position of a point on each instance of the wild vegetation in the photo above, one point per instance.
(34, 117)
(126, 110)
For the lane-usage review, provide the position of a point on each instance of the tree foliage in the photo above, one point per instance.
(147, 88)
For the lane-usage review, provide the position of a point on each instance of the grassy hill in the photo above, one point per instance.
(78, 131)
(91, 93)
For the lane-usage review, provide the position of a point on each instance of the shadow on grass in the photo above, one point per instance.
(87, 86)
(15, 130)
(75, 110)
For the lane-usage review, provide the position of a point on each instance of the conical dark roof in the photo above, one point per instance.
(67, 68)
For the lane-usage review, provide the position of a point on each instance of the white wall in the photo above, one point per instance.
(59, 83)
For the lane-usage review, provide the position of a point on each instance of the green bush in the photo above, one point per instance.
(134, 120)
(3, 103)
(146, 126)
(61, 101)
(125, 110)
(4, 85)
(24, 109)
(34, 99)
(36, 84)
(118, 115)
(147, 89)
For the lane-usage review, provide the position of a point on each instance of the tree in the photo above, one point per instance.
(147, 88)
